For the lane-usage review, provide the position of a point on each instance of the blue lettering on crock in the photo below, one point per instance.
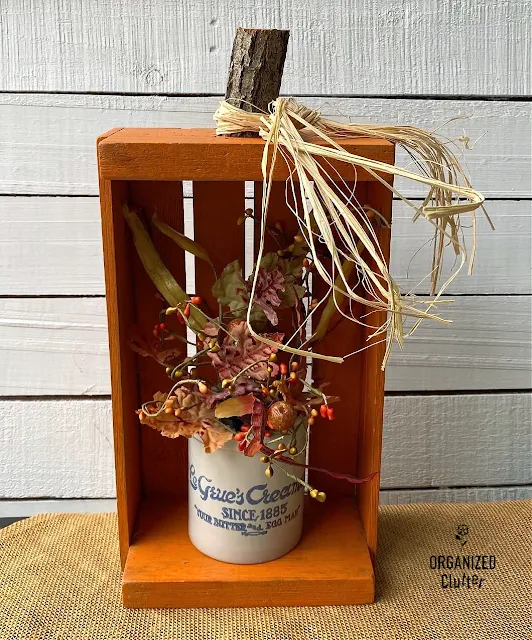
(257, 494)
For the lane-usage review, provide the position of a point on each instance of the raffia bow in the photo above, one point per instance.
(338, 221)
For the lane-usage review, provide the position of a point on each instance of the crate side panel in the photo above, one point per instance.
(333, 445)
(164, 468)
(372, 404)
(120, 310)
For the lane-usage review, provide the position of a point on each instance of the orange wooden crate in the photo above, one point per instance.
(333, 564)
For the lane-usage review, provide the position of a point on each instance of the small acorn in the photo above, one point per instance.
(281, 416)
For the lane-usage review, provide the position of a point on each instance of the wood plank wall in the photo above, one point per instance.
(457, 422)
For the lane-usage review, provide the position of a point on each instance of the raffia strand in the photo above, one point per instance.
(328, 216)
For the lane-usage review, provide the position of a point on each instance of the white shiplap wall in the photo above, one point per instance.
(458, 410)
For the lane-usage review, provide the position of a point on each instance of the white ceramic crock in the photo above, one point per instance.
(236, 513)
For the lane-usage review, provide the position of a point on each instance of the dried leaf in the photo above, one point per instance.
(181, 240)
(269, 286)
(239, 349)
(196, 415)
(158, 272)
(230, 289)
(153, 348)
(215, 436)
(241, 406)
(155, 267)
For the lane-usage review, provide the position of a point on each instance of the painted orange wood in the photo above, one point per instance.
(334, 445)
(217, 207)
(198, 154)
(372, 390)
(164, 461)
(331, 565)
(120, 308)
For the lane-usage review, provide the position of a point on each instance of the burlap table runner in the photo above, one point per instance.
(60, 578)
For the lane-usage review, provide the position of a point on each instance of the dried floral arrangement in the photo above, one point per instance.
(262, 389)
(258, 396)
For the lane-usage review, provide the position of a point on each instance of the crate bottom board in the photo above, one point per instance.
(330, 566)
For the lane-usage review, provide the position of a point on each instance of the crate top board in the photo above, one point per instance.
(198, 154)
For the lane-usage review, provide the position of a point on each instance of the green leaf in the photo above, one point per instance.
(230, 287)
(269, 261)
(157, 270)
(239, 406)
(181, 240)
(155, 267)
(330, 307)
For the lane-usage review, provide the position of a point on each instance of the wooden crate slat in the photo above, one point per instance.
(334, 445)
(120, 308)
(198, 154)
(372, 390)
(164, 460)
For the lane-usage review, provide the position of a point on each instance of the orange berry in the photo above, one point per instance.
(323, 410)
(245, 428)
(330, 413)
(283, 368)
(195, 300)
(239, 436)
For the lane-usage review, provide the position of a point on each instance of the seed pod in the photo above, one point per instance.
(269, 472)
(281, 416)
